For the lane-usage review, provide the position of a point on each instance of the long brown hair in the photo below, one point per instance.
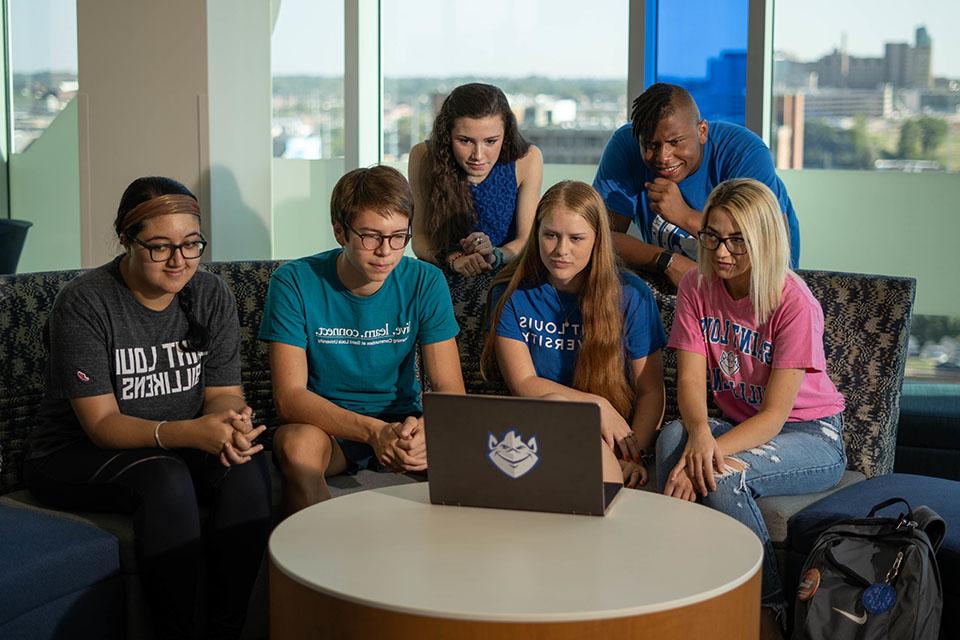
(601, 366)
(450, 213)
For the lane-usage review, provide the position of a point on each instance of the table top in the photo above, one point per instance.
(391, 549)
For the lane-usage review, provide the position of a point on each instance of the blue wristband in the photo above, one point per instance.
(497, 258)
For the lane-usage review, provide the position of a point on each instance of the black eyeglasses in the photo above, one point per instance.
(163, 252)
(736, 245)
(373, 241)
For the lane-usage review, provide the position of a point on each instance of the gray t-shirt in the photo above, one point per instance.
(101, 340)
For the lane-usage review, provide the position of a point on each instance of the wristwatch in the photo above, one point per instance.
(663, 261)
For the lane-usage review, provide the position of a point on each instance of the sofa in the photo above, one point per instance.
(867, 319)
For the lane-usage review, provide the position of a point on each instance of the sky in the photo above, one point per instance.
(556, 38)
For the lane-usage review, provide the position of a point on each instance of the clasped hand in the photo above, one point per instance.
(402, 446)
(230, 435)
(477, 255)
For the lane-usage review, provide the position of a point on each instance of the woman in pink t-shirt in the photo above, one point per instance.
(752, 329)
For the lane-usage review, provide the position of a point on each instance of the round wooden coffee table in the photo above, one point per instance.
(388, 564)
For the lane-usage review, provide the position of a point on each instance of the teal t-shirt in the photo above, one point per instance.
(360, 350)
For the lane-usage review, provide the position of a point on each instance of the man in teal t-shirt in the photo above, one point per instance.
(343, 328)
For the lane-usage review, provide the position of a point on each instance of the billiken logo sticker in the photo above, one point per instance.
(512, 455)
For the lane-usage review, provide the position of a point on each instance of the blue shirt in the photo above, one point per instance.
(731, 151)
(549, 323)
(360, 349)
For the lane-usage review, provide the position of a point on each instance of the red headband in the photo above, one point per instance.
(161, 206)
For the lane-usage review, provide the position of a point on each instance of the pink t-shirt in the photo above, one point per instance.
(741, 354)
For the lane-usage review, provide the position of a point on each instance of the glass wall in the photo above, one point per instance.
(701, 45)
(307, 60)
(565, 77)
(880, 96)
(43, 65)
(44, 157)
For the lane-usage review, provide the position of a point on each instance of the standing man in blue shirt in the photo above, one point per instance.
(658, 170)
(343, 328)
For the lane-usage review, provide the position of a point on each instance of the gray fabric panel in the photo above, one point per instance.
(777, 510)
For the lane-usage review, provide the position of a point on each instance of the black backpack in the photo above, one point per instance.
(873, 577)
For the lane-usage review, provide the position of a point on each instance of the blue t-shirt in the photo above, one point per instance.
(360, 349)
(731, 151)
(548, 321)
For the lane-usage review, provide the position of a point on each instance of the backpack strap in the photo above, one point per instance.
(887, 503)
(930, 522)
(851, 575)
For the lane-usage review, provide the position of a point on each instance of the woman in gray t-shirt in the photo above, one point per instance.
(144, 413)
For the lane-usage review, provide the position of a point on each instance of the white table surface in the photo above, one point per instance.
(391, 549)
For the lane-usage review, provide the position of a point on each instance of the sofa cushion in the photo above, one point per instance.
(855, 501)
(362, 480)
(45, 558)
(118, 525)
(777, 510)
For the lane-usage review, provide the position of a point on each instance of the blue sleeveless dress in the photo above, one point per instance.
(495, 200)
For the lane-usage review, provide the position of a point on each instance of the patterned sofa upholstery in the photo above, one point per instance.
(867, 320)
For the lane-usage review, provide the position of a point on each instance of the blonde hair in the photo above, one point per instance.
(756, 211)
(600, 367)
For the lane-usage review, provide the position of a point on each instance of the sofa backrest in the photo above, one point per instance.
(25, 303)
(867, 320)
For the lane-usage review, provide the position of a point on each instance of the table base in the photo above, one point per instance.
(298, 612)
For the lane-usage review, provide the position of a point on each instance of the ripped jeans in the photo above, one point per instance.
(805, 457)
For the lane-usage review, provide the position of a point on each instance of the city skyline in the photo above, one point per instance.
(308, 39)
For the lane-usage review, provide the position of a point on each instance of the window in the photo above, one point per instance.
(43, 63)
(562, 66)
(709, 62)
(879, 94)
(307, 60)
(43, 170)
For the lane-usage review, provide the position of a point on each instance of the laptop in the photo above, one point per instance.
(515, 453)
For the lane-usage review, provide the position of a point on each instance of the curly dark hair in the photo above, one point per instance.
(450, 212)
(656, 103)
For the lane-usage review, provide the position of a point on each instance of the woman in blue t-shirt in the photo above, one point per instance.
(568, 324)
(475, 183)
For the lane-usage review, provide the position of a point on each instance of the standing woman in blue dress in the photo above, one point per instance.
(476, 183)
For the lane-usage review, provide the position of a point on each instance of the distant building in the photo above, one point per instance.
(902, 65)
(569, 146)
(849, 103)
(788, 142)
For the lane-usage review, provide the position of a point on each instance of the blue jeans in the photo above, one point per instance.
(805, 457)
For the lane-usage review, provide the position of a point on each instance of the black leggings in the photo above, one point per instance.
(161, 490)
